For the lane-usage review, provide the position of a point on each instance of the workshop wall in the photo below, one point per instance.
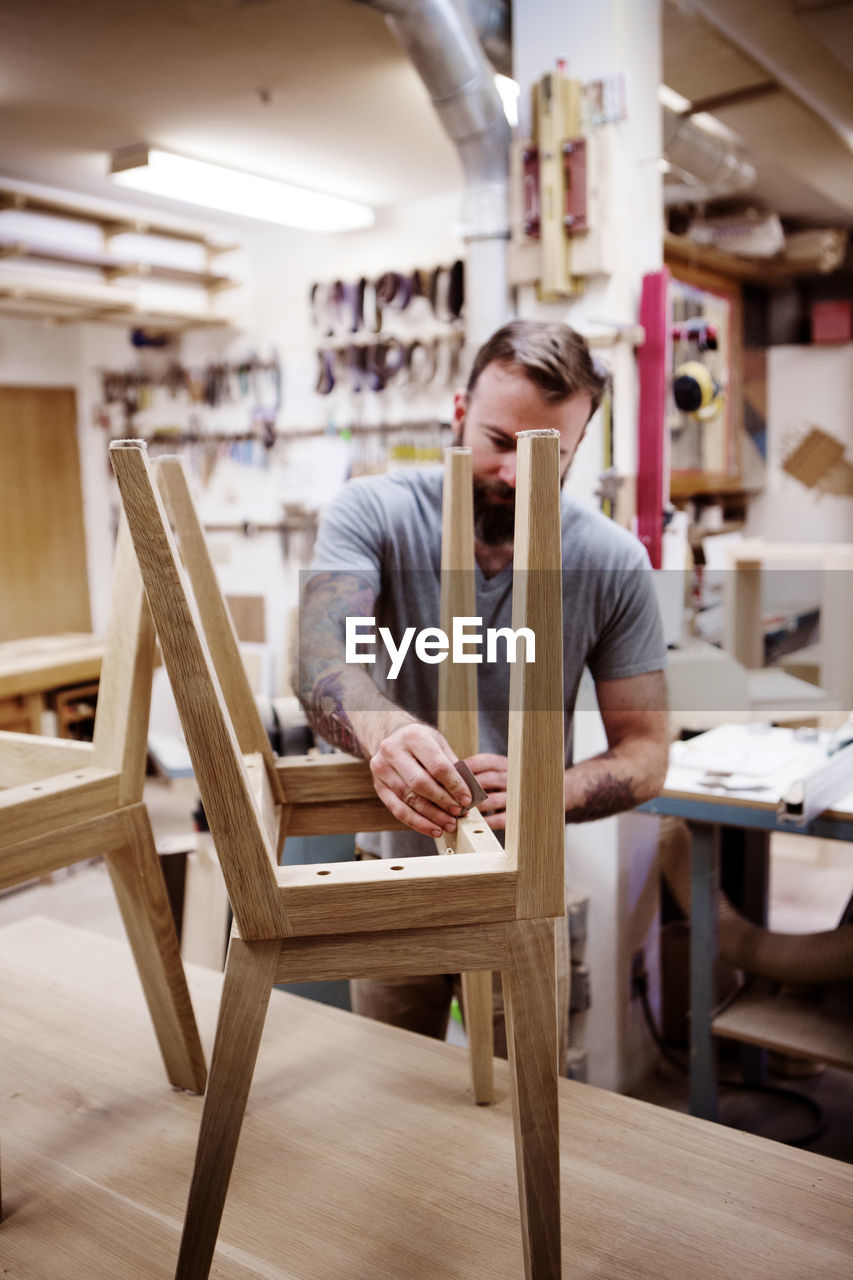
(809, 483)
(272, 315)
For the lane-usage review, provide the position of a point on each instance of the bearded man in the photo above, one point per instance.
(378, 555)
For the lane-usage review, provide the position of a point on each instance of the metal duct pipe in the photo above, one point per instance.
(717, 169)
(491, 19)
(805, 958)
(439, 37)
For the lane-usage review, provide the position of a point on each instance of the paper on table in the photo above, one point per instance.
(728, 749)
(764, 764)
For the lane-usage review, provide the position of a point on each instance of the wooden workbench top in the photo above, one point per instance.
(49, 662)
(361, 1156)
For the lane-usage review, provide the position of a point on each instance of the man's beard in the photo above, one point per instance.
(494, 512)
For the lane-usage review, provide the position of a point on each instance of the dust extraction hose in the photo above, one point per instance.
(802, 958)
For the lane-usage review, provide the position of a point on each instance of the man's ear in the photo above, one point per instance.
(460, 405)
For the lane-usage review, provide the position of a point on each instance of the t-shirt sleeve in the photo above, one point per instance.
(630, 641)
(351, 534)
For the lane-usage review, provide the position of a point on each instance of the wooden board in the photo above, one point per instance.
(415, 1181)
(248, 614)
(43, 579)
(790, 1022)
(39, 663)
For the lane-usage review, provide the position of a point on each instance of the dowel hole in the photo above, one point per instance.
(36, 788)
(478, 831)
(324, 873)
(398, 868)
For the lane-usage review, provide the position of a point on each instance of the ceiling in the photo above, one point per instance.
(317, 93)
(789, 53)
(314, 92)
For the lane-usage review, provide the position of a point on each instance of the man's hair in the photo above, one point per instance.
(553, 356)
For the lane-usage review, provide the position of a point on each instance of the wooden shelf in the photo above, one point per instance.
(66, 299)
(111, 223)
(112, 268)
(793, 1023)
(761, 271)
(61, 306)
(695, 484)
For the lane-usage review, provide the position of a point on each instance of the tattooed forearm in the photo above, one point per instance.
(604, 795)
(328, 599)
(627, 774)
(341, 701)
(327, 716)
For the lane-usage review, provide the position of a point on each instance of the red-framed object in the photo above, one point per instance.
(652, 436)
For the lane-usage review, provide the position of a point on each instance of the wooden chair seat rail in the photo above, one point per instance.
(28, 757)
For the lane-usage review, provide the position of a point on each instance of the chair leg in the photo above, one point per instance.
(479, 1026)
(139, 886)
(249, 975)
(530, 1000)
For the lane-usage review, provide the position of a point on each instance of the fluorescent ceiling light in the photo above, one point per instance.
(508, 90)
(231, 191)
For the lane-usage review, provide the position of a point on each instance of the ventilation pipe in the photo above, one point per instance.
(441, 41)
(811, 959)
(715, 169)
(492, 23)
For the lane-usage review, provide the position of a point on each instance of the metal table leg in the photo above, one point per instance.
(745, 877)
(704, 879)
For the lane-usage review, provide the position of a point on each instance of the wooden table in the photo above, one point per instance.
(32, 668)
(362, 1155)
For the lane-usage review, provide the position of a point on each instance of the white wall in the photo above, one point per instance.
(275, 311)
(33, 353)
(807, 386)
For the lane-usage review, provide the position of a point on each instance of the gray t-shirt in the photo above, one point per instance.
(388, 527)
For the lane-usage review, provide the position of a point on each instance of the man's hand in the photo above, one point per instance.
(415, 778)
(412, 765)
(490, 772)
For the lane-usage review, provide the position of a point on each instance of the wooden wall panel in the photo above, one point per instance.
(43, 580)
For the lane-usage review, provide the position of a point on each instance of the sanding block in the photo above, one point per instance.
(478, 795)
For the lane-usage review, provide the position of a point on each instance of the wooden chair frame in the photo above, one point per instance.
(458, 721)
(489, 909)
(63, 801)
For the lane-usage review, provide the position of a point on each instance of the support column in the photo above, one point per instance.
(614, 860)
